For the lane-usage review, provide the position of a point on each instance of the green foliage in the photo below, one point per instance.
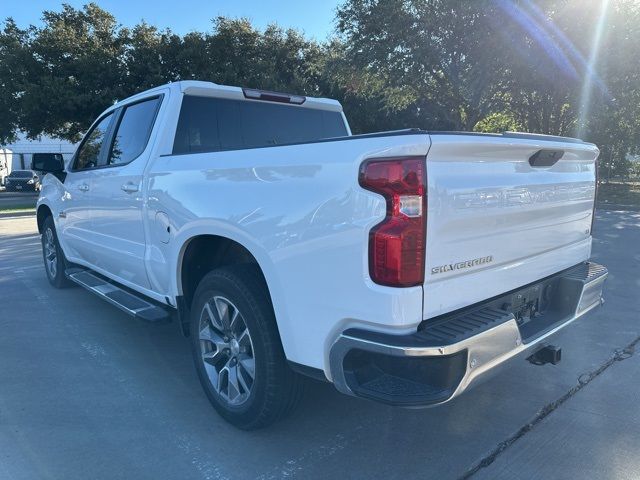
(57, 78)
(14, 59)
(435, 59)
(77, 69)
(498, 122)
(435, 64)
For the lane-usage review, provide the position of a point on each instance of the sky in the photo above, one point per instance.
(314, 17)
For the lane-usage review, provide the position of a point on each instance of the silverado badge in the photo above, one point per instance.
(460, 265)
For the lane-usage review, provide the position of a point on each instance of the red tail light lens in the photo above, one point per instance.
(397, 244)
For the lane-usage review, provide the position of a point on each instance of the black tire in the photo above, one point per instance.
(275, 389)
(53, 268)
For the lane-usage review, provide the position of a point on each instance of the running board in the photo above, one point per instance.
(134, 305)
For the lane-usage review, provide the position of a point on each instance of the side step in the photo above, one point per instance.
(134, 305)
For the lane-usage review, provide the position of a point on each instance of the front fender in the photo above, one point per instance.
(52, 195)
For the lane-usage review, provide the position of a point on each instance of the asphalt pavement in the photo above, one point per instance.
(88, 392)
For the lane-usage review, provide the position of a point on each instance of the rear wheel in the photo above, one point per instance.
(54, 261)
(237, 349)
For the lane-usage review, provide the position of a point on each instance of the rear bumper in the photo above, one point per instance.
(450, 353)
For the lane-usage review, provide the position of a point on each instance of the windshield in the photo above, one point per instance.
(22, 174)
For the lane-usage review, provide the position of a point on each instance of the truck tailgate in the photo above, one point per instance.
(496, 222)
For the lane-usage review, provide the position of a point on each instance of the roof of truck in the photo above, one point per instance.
(210, 89)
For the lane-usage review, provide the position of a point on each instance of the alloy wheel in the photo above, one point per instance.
(227, 350)
(50, 253)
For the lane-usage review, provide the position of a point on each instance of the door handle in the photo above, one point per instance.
(129, 187)
(83, 187)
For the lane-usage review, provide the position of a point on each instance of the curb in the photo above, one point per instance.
(5, 194)
(614, 206)
(29, 213)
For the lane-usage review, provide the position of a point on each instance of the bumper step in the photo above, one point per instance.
(135, 305)
(447, 354)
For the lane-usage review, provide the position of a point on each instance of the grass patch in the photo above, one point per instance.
(616, 193)
(18, 209)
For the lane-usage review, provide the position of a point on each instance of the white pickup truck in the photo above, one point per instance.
(400, 266)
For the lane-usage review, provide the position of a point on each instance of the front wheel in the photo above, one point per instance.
(54, 261)
(237, 350)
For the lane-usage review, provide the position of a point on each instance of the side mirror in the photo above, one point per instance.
(49, 164)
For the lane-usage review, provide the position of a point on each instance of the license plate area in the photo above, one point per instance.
(530, 303)
(538, 307)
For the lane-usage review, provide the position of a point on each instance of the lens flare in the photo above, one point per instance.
(561, 51)
(541, 36)
(587, 86)
(568, 46)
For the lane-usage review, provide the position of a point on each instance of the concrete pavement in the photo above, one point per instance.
(594, 435)
(87, 392)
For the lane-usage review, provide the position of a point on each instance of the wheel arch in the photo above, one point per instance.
(41, 214)
(200, 254)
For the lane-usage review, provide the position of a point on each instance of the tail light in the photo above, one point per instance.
(397, 244)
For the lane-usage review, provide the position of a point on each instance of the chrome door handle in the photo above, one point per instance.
(83, 187)
(129, 187)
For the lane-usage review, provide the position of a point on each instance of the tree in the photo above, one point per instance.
(76, 71)
(15, 64)
(151, 58)
(57, 78)
(436, 64)
(612, 120)
(437, 58)
(498, 122)
(275, 59)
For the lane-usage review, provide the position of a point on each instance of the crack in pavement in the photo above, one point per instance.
(583, 380)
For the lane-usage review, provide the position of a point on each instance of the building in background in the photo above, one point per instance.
(23, 150)
(6, 157)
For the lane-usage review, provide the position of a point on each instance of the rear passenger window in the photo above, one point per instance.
(213, 124)
(133, 131)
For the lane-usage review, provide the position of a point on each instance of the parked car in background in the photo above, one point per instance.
(22, 181)
(400, 266)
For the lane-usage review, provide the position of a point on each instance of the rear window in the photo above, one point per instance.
(21, 174)
(214, 124)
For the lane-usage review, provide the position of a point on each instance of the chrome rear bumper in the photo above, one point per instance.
(448, 354)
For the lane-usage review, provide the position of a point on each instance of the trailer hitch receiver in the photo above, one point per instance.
(547, 354)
